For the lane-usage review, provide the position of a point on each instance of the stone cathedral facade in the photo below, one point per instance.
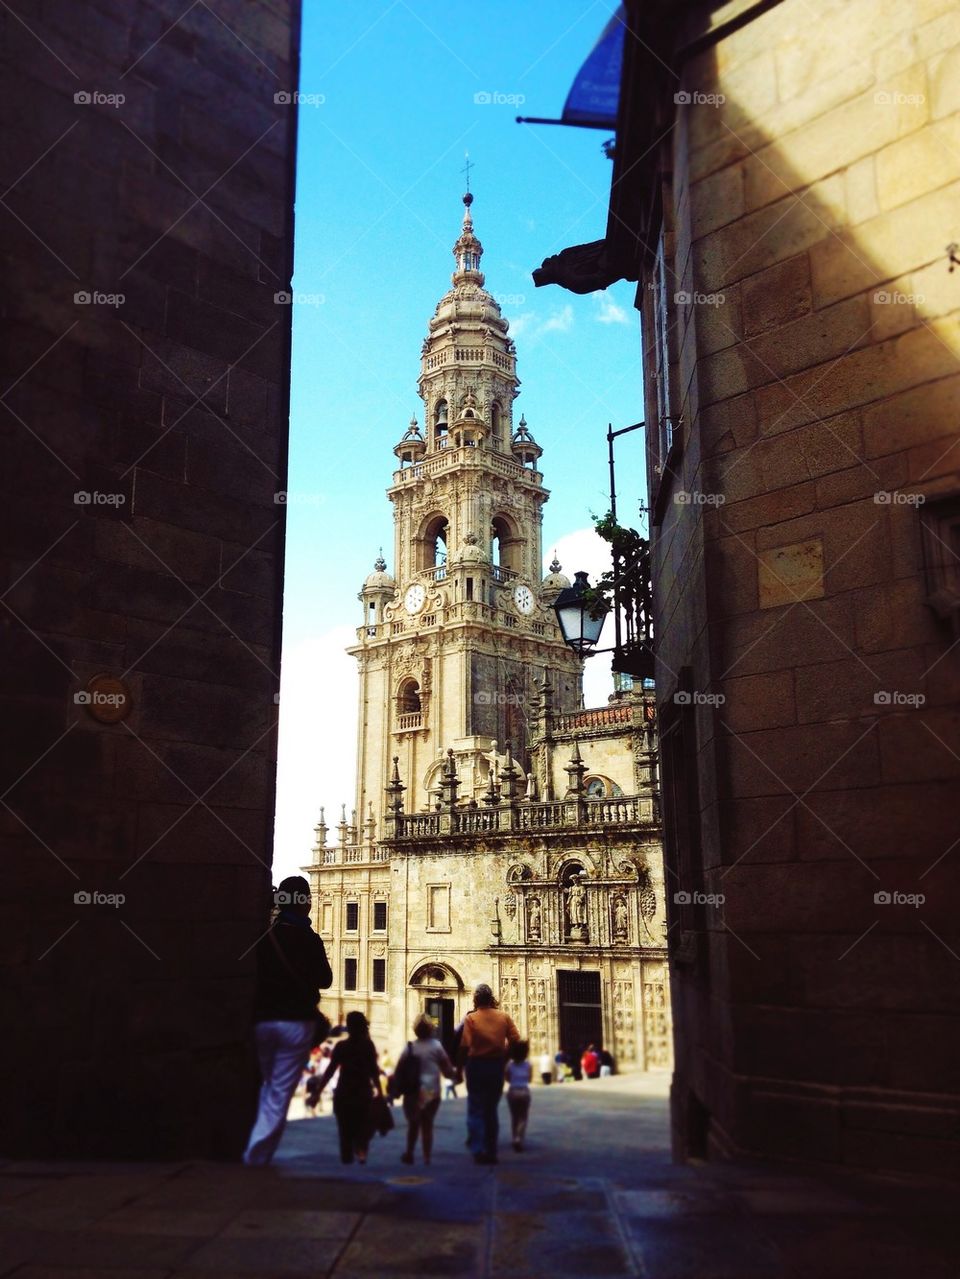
(500, 833)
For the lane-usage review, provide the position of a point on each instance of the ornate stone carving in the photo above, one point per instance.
(619, 920)
(575, 898)
(510, 996)
(624, 1021)
(656, 1021)
(534, 919)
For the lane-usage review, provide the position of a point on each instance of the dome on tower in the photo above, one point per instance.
(468, 250)
(379, 579)
(471, 552)
(525, 447)
(555, 581)
(468, 301)
(412, 446)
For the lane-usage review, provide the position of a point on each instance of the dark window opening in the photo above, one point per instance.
(380, 975)
(353, 916)
(408, 698)
(380, 917)
(349, 974)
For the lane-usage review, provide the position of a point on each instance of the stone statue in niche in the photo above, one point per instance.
(577, 910)
(534, 919)
(620, 920)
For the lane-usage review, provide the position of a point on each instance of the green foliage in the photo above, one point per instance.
(626, 545)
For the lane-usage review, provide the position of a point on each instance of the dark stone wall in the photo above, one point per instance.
(146, 228)
(809, 691)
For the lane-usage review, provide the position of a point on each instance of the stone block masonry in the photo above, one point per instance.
(147, 225)
(813, 186)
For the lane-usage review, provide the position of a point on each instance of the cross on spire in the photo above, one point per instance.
(467, 167)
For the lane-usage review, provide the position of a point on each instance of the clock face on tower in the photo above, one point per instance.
(523, 598)
(413, 600)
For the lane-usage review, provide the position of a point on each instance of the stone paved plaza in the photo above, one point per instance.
(594, 1195)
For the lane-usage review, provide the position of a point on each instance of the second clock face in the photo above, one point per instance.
(413, 600)
(523, 598)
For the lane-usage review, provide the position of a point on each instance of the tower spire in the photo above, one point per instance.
(468, 250)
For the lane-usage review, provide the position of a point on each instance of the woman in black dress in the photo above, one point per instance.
(358, 1082)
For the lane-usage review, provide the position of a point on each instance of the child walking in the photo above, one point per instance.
(518, 1073)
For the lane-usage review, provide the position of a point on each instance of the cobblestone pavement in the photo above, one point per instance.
(594, 1195)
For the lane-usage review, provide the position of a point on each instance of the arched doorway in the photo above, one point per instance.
(438, 987)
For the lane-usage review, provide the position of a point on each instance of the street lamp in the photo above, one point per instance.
(580, 615)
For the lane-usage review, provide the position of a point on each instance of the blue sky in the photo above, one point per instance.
(379, 187)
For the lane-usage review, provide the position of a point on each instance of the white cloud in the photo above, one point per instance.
(610, 312)
(583, 549)
(532, 326)
(559, 322)
(316, 762)
(521, 323)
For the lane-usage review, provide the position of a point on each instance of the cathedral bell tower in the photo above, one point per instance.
(456, 643)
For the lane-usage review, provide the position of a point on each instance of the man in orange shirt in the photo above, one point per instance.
(487, 1034)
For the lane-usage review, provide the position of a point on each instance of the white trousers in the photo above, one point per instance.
(283, 1048)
